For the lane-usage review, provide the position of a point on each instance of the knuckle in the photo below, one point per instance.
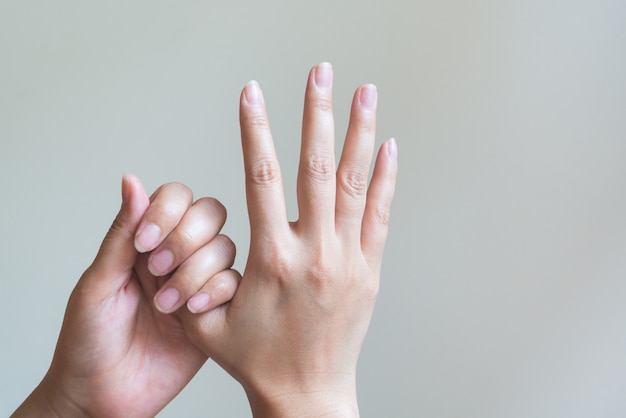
(319, 277)
(381, 215)
(255, 120)
(119, 225)
(354, 183)
(226, 246)
(371, 290)
(214, 207)
(264, 172)
(275, 260)
(320, 167)
(177, 187)
(186, 239)
(169, 212)
(321, 103)
(321, 271)
(167, 201)
(225, 286)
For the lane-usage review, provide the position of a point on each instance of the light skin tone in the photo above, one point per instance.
(120, 353)
(292, 333)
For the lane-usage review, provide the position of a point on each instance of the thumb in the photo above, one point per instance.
(117, 254)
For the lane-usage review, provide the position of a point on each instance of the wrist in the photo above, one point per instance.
(47, 401)
(308, 397)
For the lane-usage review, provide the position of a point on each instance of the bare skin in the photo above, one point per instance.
(292, 333)
(118, 354)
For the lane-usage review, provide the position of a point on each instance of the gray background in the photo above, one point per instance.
(503, 290)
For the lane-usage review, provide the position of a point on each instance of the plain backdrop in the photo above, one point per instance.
(504, 281)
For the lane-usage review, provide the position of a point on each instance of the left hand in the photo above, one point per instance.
(117, 354)
(293, 332)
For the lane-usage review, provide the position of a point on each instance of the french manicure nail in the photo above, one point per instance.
(368, 97)
(147, 238)
(161, 262)
(167, 299)
(199, 302)
(324, 75)
(253, 93)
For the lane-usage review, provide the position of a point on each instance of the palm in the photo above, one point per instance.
(122, 348)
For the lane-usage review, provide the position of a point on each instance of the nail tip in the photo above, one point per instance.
(393, 148)
(252, 93)
(323, 75)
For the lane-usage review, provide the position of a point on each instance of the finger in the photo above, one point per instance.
(377, 207)
(220, 289)
(167, 206)
(199, 225)
(356, 158)
(117, 255)
(264, 186)
(316, 174)
(217, 255)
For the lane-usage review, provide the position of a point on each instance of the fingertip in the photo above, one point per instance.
(166, 301)
(147, 237)
(368, 97)
(323, 75)
(199, 303)
(116, 256)
(127, 184)
(252, 94)
(134, 196)
(392, 149)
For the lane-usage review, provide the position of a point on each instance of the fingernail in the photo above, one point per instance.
(125, 188)
(368, 97)
(253, 93)
(147, 238)
(161, 262)
(393, 149)
(199, 302)
(324, 75)
(167, 300)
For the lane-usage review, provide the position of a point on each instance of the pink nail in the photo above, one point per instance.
(199, 302)
(161, 262)
(393, 149)
(324, 75)
(253, 93)
(167, 300)
(368, 97)
(147, 238)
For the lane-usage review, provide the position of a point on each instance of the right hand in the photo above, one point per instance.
(119, 353)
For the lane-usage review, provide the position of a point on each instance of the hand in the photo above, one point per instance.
(117, 354)
(292, 333)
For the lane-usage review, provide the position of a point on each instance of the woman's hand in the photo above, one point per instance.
(119, 353)
(293, 332)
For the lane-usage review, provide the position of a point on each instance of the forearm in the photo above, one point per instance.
(47, 401)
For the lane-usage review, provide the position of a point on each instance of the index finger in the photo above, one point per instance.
(264, 186)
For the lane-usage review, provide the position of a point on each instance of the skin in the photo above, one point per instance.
(118, 353)
(292, 333)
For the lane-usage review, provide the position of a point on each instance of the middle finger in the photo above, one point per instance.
(316, 175)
